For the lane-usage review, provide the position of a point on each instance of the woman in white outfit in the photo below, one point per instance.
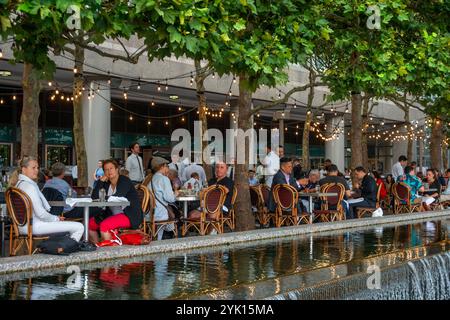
(44, 223)
(162, 189)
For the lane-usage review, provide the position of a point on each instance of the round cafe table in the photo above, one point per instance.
(185, 199)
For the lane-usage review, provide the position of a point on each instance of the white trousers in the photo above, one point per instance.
(75, 229)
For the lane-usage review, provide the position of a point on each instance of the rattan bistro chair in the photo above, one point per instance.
(155, 226)
(211, 203)
(286, 200)
(331, 206)
(257, 202)
(20, 209)
(360, 212)
(144, 198)
(230, 219)
(402, 199)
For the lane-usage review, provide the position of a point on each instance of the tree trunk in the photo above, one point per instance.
(78, 131)
(305, 142)
(356, 131)
(243, 212)
(435, 145)
(30, 112)
(200, 85)
(444, 156)
(365, 128)
(307, 127)
(408, 132)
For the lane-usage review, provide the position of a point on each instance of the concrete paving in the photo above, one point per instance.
(184, 245)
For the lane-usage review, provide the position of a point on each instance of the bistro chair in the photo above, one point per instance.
(144, 198)
(20, 209)
(156, 226)
(211, 203)
(331, 208)
(402, 199)
(230, 219)
(360, 212)
(267, 216)
(257, 202)
(286, 200)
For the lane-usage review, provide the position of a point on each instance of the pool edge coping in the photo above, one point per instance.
(10, 265)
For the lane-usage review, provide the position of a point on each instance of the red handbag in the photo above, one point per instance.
(134, 237)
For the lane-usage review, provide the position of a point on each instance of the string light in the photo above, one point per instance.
(149, 122)
(2, 101)
(75, 70)
(167, 86)
(234, 79)
(167, 123)
(139, 86)
(159, 87)
(230, 93)
(14, 97)
(49, 83)
(111, 109)
(1, 53)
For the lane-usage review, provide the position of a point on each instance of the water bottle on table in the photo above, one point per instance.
(102, 195)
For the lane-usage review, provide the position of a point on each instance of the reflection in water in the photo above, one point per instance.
(185, 275)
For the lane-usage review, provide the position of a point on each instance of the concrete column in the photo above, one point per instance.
(335, 149)
(399, 148)
(97, 124)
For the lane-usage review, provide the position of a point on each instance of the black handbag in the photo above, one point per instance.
(59, 245)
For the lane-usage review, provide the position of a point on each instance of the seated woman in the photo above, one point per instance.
(431, 196)
(221, 179)
(162, 189)
(44, 223)
(115, 217)
(379, 181)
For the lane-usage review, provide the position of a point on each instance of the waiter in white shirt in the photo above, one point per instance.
(134, 164)
(271, 165)
(397, 169)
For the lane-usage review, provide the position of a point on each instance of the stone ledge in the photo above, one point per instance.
(41, 261)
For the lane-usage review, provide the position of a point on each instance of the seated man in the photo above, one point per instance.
(332, 177)
(283, 176)
(410, 179)
(366, 192)
(303, 183)
(221, 178)
(58, 183)
(445, 196)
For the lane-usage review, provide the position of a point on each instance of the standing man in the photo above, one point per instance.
(397, 169)
(134, 164)
(271, 165)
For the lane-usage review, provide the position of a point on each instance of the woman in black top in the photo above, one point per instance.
(431, 196)
(115, 217)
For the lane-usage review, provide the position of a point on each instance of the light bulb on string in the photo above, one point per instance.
(153, 103)
(1, 53)
(346, 110)
(14, 97)
(111, 109)
(167, 123)
(234, 79)
(2, 101)
(131, 117)
(149, 122)
(49, 83)
(167, 85)
(75, 70)
(213, 75)
(139, 86)
(230, 93)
